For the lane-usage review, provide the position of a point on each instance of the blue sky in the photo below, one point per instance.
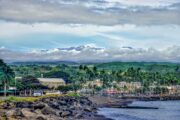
(149, 26)
(49, 41)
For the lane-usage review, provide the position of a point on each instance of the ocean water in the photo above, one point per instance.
(168, 110)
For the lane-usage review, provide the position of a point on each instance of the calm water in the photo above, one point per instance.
(168, 110)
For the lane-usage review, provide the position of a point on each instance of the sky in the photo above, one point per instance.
(90, 30)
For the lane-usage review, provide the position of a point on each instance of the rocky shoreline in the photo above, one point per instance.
(153, 98)
(64, 108)
(51, 108)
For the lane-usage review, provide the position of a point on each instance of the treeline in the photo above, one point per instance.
(77, 74)
(147, 66)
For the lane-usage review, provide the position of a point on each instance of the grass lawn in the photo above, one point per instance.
(32, 99)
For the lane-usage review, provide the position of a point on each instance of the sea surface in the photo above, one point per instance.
(168, 110)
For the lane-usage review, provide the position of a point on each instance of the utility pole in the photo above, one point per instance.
(15, 87)
(5, 89)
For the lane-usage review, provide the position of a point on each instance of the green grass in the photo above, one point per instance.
(21, 99)
(73, 95)
(2, 102)
(33, 99)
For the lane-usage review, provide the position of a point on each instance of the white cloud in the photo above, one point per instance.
(137, 23)
(152, 3)
(8, 29)
(82, 12)
(89, 53)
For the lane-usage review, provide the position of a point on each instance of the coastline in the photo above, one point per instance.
(167, 109)
(64, 107)
(51, 108)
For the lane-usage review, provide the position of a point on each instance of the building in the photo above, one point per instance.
(56, 92)
(52, 82)
(136, 85)
(111, 91)
(174, 89)
(129, 86)
(94, 83)
(18, 78)
(98, 83)
(122, 84)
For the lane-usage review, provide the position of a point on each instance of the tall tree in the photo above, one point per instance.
(6, 75)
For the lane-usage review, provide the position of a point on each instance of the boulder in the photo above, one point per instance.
(47, 111)
(6, 106)
(79, 115)
(2, 113)
(28, 113)
(45, 100)
(24, 105)
(15, 113)
(18, 113)
(62, 102)
(41, 118)
(54, 105)
(65, 113)
(39, 106)
(88, 109)
(85, 101)
(10, 113)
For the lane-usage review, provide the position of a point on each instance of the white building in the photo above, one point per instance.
(52, 82)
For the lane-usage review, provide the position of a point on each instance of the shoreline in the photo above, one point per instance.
(153, 98)
(112, 102)
(64, 107)
(169, 107)
(51, 108)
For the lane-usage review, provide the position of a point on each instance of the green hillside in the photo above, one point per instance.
(155, 67)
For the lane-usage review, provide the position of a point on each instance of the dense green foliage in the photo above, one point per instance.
(6, 76)
(147, 73)
(67, 88)
(147, 66)
(6, 73)
(30, 82)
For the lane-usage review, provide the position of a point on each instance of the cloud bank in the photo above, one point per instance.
(92, 53)
(151, 27)
(103, 12)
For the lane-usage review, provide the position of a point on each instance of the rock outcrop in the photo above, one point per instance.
(51, 108)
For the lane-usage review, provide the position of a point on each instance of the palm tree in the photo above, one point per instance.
(6, 75)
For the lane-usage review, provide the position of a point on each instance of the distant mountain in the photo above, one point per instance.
(81, 48)
(91, 54)
(148, 66)
(78, 49)
(127, 47)
(44, 63)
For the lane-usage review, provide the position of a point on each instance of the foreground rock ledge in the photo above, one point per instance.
(51, 108)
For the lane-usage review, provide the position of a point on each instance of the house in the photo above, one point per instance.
(52, 82)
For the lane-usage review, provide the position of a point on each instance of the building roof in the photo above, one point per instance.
(51, 80)
(18, 77)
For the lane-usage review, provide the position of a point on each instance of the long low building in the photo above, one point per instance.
(52, 82)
